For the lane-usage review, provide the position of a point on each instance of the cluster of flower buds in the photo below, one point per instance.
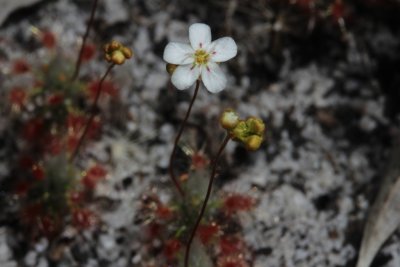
(250, 131)
(116, 53)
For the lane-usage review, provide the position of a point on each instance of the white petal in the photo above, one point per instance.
(199, 35)
(178, 53)
(223, 49)
(184, 76)
(213, 77)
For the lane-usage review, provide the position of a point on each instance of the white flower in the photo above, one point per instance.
(200, 58)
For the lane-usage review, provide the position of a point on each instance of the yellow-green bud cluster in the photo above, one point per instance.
(250, 132)
(115, 52)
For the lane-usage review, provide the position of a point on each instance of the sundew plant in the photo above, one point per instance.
(52, 114)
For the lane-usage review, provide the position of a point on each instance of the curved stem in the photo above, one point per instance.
(92, 114)
(89, 26)
(177, 138)
(203, 207)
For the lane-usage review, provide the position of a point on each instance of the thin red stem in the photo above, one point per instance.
(92, 113)
(89, 26)
(203, 207)
(177, 138)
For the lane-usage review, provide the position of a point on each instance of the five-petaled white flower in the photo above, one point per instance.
(200, 59)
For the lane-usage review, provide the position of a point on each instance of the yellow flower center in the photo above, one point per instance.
(201, 57)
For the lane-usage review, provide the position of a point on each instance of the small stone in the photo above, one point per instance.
(30, 258)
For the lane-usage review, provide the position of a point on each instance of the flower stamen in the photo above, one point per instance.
(201, 57)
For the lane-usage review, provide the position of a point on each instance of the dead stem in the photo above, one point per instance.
(177, 138)
(203, 207)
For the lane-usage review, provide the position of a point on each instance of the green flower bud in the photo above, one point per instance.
(240, 132)
(250, 132)
(255, 125)
(253, 142)
(116, 53)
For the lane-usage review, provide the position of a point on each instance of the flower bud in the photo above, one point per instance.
(253, 142)
(256, 125)
(229, 119)
(117, 57)
(116, 53)
(127, 52)
(114, 45)
(240, 131)
(250, 132)
(171, 68)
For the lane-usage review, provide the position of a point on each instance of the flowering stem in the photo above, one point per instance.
(92, 113)
(173, 154)
(89, 26)
(203, 207)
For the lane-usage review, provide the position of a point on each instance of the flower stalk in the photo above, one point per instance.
(116, 54)
(85, 36)
(92, 113)
(177, 138)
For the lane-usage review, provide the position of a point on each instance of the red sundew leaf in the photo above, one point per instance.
(230, 245)
(72, 142)
(107, 88)
(154, 230)
(22, 188)
(75, 123)
(207, 232)
(26, 162)
(33, 129)
(83, 218)
(93, 176)
(54, 145)
(171, 248)
(110, 89)
(88, 182)
(47, 225)
(163, 212)
(97, 172)
(31, 212)
(89, 50)
(20, 66)
(48, 39)
(231, 261)
(199, 161)
(38, 173)
(55, 99)
(237, 202)
(76, 197)
(17, 96)
(94, 128)
(38, 84)
(338, 10)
